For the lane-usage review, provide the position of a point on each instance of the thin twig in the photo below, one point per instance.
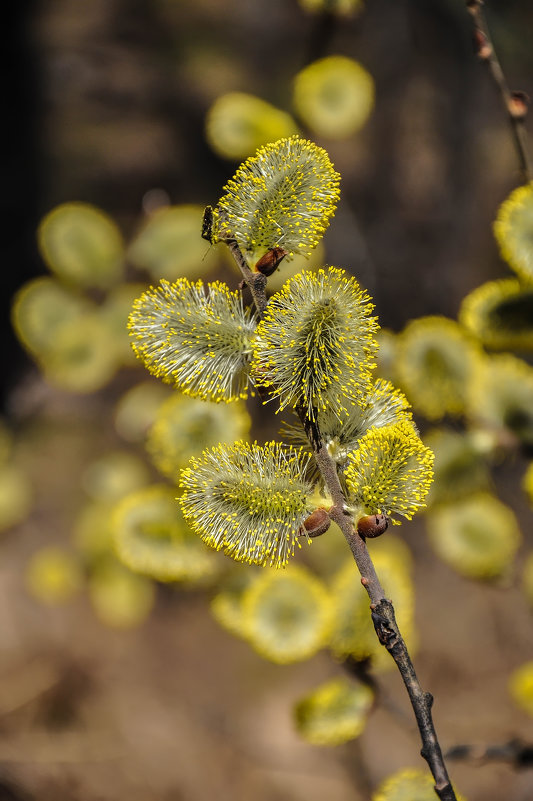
(515, 103)
(256, 282)
(354, 759)
(325, 25)
(382, 609)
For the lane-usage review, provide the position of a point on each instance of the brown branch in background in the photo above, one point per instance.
(515, 753)
(515, 103)
(361, 671)
(324, 26)
(382, 609)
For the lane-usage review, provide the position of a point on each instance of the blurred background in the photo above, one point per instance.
(106, 104)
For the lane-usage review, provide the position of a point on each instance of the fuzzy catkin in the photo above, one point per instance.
(315, 344)
(197, 338)
(248, 499)
(390, 472)
(283, 197)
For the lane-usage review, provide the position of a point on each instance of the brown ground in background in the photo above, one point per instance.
(179, 709)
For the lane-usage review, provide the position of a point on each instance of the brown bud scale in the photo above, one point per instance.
(518, 105)
(372, 526)
(482, 45)
(317, 523)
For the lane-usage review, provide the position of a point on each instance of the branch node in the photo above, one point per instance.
(385, 631)
(473, 6)
(482, 45)
(518, 105)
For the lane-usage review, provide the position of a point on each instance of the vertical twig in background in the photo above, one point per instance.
(325, 24)
(515, 102)
(382, 609)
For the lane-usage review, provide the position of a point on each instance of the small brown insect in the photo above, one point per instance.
(317, 523)
(271, 260)
(372, 526)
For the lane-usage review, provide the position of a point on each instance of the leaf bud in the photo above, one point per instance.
(372, 526)
(482, 46)
(317, 523)
(518, 105)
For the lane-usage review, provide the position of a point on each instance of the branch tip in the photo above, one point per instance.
(515, 103)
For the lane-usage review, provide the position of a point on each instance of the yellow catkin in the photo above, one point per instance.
(512, 229)
(284, 196)
(436, 358)
(500, 314)
(197, 338)
(286, 615)
(334, 713)
(390, 472)
(248, 499)
(315, 344)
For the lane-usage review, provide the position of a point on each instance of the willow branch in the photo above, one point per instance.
(515, 103)
(328, 471)
(383, 617)
(256, 282)
(382, 610)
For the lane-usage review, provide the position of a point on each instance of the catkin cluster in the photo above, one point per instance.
(313, 352)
